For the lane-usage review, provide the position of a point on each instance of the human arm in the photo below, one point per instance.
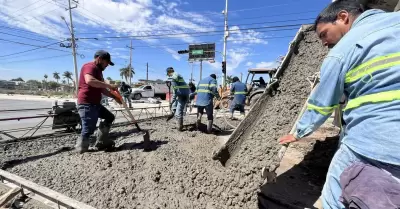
(323, 100)
(93, 82)
(213, 89)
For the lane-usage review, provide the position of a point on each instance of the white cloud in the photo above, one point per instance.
(246, 37)
(174, 53)
(267, 65)
(248, 64)
(127, 17)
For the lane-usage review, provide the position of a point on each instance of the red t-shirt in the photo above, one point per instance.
(88, 94)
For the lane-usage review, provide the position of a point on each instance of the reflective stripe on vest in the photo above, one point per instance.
(322, 110)
(181, 87)
(386, 96)
(372, 66)
(207, 85)
(203, 91)
(240, 92)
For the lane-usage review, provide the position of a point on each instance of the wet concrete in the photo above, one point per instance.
(179, 171)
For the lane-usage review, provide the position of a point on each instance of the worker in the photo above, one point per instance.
(239, 90)
(126, 91)
(262, 82)
(206, 91)
(180, 95)
(363, 63)
(91, 87)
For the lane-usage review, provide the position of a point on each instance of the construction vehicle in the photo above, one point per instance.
(255, 88)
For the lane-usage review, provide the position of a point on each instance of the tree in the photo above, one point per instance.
(17, 79)
(229, 79)
(53, 85)
(34, 83)
(127, 73)
(63, 82)
(109, 78)
(67, 75)
(56, 76)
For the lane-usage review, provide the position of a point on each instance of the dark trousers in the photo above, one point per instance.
(89, 114)
(209, 110)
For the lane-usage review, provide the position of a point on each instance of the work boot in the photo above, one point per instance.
(209, 126)
(179, 124)
(103, 141)
(198, 122)
(82, 145)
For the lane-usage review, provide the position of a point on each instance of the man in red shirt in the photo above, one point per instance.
(91, 88)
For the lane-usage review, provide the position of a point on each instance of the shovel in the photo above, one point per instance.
(146, 135)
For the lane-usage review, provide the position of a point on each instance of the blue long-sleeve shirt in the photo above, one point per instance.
(206, 91)
(365, 66)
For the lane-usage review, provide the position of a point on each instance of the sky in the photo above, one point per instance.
(32, 32)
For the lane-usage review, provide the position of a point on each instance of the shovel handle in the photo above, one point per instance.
(117, 95)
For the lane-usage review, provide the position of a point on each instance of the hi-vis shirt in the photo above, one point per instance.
(365, 66)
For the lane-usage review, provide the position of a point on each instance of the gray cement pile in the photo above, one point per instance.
(179, 172)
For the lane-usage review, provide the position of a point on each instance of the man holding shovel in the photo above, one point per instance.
(180, 95)
(91, 88)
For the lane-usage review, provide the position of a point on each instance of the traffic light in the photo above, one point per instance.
(224, 67)
(183, 51)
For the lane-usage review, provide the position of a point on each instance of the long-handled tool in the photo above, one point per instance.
(170, 102)
(146, 135)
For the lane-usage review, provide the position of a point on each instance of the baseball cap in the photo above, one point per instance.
(104, 55)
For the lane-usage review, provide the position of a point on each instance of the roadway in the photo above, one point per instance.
(12, 104)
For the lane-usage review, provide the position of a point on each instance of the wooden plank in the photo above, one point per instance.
(7, 197)
(44, 191)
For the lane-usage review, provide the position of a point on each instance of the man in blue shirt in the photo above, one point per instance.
(363, 64)
(206, 91)
(239, 90)
(180, 95)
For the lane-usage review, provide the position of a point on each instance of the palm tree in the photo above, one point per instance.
(127, 73)
(63, 82)
(45, 77)
(67, 75)
(109, 78)
(45, 80)
(56, 76)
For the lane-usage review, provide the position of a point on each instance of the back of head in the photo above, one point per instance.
(123, 83)
(331, 12)
(169, 69)
(235, 79)
(213, 76)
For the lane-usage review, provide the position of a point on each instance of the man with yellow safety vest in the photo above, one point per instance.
(364, 64)
(239, 90)
(180, 95)
(206, 91)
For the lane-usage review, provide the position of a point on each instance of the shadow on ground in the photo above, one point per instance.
(12, 163)
(300, 186)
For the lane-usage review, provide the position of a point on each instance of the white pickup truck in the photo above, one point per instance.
(150, 91)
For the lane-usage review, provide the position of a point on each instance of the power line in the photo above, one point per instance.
(189, 33)
(25, 37)
(276, 15)
(26, 6)
(37, 47)
(35, 59)
(276, 21)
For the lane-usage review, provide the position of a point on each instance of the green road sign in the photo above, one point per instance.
(197, 52)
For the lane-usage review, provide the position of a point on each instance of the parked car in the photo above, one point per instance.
(150, 91)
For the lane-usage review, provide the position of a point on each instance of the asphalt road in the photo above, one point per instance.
(9, 126)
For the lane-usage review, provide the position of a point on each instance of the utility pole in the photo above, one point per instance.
(130, 63)
(201, 69)
(147, 72)
(71, 30)
(191, 74)
(241, 76)
(226, 35)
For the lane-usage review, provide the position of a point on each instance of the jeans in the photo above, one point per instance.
(89, 114)
(209, 110)
(128, 99)
(343, 158)
(179, 105)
